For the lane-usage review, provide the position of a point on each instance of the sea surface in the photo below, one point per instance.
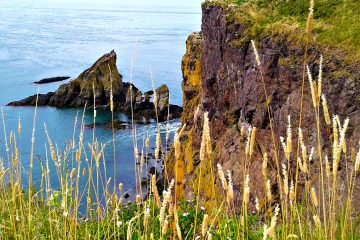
(41, 38)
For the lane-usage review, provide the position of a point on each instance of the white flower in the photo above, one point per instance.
(202, 208)
(118, 223)
(185, 214)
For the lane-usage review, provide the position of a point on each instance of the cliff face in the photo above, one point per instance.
(229, 87)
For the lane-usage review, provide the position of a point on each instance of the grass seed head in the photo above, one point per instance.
(205, 224)
(314, 198)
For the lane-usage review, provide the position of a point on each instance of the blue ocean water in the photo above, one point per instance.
(41, 38)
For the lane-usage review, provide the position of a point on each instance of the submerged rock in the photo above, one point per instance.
(96, 84)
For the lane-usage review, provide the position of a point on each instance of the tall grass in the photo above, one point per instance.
(318, 213)
(315, 212)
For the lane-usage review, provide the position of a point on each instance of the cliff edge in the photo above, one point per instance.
(221, 77)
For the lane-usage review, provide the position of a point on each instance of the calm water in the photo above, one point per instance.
(41, 38)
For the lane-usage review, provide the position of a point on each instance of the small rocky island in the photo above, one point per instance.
(52, 79)
(94, 85)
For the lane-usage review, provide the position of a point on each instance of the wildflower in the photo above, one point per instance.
(202, 208)
(185, 214)
(118, 223)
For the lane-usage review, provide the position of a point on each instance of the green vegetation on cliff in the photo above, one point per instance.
(336, 22)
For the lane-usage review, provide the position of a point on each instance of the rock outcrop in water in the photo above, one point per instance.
(220, 76)
(95, 85)
(52, 79)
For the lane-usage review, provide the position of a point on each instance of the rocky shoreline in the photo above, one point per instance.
(101, 82)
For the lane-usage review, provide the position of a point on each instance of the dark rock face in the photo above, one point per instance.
(51, 80)
(94, 85)
(231, 91)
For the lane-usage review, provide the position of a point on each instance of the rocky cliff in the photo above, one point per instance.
(94, 86)
(221, 77)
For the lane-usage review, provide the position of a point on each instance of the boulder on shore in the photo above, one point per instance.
(97, 84)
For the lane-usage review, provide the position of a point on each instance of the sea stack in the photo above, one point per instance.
(95, 84)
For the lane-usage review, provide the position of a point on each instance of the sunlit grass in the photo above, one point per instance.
(87, 206)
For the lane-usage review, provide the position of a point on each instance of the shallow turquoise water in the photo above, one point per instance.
(41, 38)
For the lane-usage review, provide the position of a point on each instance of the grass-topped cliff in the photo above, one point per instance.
(336, 22)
